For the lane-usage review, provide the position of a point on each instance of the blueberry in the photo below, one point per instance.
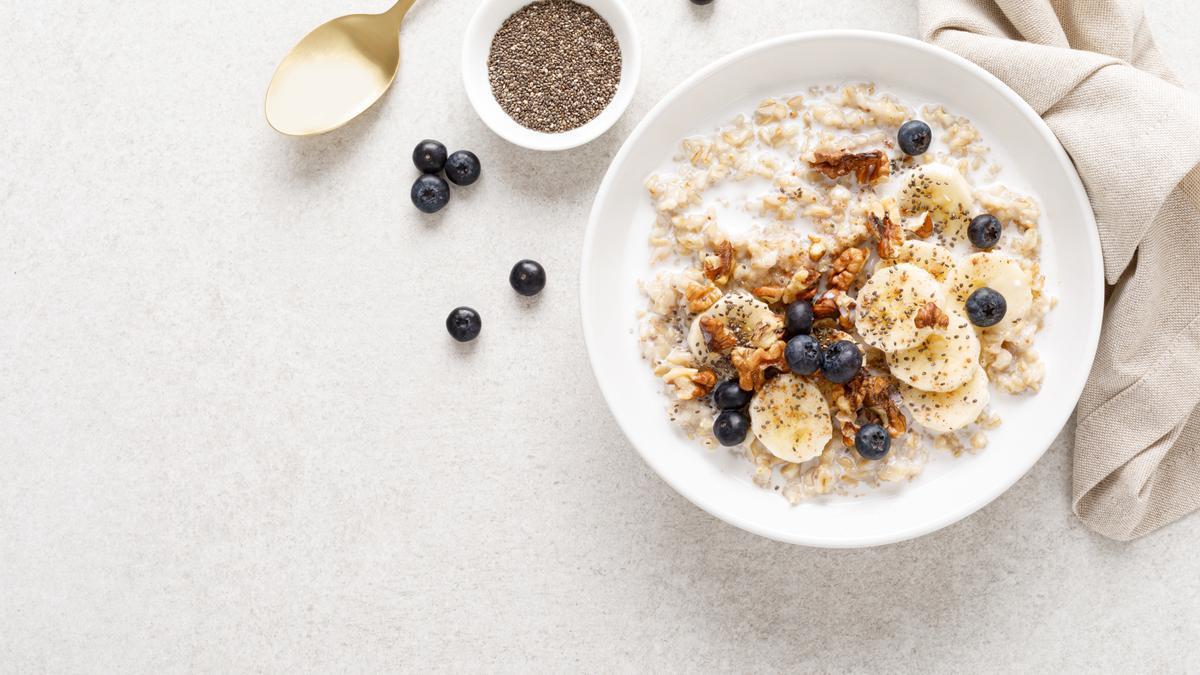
(527, 277)
(841, 361)
(462, 168)
(464, 324)
(702, 2)
(430, 193)
(798, 319)
(986, 307)
(803, 354)
(731, 427)
(729, 395)
(984, 231)
(914, 137)
(872, 442)
(429, 156)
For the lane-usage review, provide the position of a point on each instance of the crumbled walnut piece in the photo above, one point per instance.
(846, 268)
(717, 335)
(877, 395)
(718, 266)
(689, 382)
(889, 234)
(866, 393)
(762, 330)
(825, 306)
(931, 315)
(704, 380)
(848, 397)
(890, 417)
(701, 296)
(926, 229)
(801, 286)
(846, 321)
(752, 364)
(849, 430)
(770, 294)
(846, 306)
(867, 167)
(817, 251)
(848, 426)
(875, 389)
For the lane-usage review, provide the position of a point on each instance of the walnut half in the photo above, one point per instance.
(931, 315)
(825, 306)
(866, 394)
(690, 383)
(867, 167)
(801, 286)
(718, 266)
(704, 381)
(769, 294)
(717, 335)
(752, 364)
(701, 296)
(889, 234)
(846, 267)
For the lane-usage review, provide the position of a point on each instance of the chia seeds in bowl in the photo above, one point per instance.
(554, 65)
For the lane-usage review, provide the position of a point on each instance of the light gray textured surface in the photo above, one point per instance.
(234, 435)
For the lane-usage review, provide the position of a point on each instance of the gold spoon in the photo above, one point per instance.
(336, 72)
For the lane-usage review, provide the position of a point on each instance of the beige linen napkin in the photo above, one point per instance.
(1091, 69)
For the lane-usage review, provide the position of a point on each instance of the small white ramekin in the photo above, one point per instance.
(478, 43)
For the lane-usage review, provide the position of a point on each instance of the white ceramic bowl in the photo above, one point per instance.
(616, 255)
(478, 43)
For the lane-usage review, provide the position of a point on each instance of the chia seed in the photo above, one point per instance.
(554, 65)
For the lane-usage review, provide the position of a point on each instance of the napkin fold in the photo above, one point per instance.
(1092, 70)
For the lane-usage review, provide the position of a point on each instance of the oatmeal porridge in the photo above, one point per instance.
(842, 284)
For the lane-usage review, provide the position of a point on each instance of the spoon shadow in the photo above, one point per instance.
(310, 157)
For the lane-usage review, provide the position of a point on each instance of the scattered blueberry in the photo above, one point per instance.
(430, 193)
(729, 395)
(527, 277)
(429, 156)
(841, 361)
(798, 319)
(462, 168)
(464, 324)
(803, 354)
(702, 2)
(984, 231)
(731, 427)
(872, 442)
(914, 137)
(986, 307)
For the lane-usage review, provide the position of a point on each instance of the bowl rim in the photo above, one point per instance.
(477, 40)
(947, 518)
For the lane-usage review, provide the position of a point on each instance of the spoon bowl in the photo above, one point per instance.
(336, 72)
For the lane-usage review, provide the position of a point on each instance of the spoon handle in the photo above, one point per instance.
(398, 10)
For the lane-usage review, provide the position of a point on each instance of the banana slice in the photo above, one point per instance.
(888, 304)
(943, 412)
(942, 191)
(791, 418)
(749, 319)
(1002, 274)
(931, 257)
(944, 362)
